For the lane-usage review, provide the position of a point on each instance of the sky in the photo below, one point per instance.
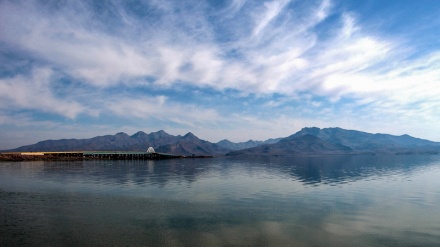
(222, 69)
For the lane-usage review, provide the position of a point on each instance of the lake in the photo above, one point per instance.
(301, 201)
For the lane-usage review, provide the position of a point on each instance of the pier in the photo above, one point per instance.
(115, 155)
(101, 155)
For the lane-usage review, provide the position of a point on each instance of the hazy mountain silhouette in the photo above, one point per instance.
(160, 140)
(362, 141)
(315, 141)
(190, 144)
(242, 145)
(308, 141)
(302, 145)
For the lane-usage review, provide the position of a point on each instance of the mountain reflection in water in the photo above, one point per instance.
(301, 201)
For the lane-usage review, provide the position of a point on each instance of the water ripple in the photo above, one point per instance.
(310, 201)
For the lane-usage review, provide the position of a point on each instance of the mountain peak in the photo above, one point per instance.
(159, 133)
(225, 141)
(162, 132)
(138, 134)
(310, 130)
(189, 136)
(121, 134)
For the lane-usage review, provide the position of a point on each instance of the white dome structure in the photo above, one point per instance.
(150, 150)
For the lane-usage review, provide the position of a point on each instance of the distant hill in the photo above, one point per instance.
(302, 145)
(362, 141)
(160, 141)
(190, 144)
(242, 145)
(316, 141)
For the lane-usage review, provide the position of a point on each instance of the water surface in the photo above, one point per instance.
(304, 201)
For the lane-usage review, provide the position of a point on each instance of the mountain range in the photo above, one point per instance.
(161, 141)
(308, 141)
(316, 141)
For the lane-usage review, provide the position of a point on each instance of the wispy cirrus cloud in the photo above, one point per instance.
(287, 55)
(34, 93)
(166, 51)
(188, 115)
(270, 11)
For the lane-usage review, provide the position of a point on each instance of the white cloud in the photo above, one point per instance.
(235, 6)
(160, 108)
(96, 57)
(273, 48)
(34, 93)
(270, 12)
(284, 60)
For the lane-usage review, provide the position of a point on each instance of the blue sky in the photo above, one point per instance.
(232, 69)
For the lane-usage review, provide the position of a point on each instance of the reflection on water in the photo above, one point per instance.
(303, 201)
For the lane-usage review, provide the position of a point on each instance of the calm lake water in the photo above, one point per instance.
(305, 201)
